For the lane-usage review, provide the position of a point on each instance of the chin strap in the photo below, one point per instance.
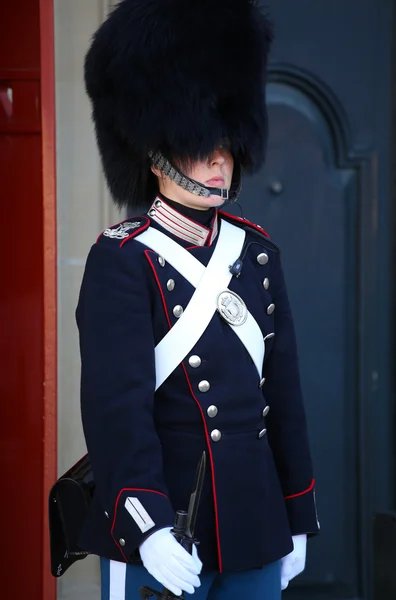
(190, 185)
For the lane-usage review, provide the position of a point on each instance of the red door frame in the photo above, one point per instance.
(28, 432)
(47, 56)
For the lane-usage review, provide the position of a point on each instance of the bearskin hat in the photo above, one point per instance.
(177, 76)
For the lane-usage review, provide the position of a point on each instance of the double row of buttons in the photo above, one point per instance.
(262, 259)
(204, 386)
(178, 310)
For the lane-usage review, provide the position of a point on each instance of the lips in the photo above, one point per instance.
(216, 182)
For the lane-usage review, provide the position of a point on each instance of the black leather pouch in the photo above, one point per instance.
(69, 500)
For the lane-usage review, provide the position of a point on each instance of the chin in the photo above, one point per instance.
(216, 201)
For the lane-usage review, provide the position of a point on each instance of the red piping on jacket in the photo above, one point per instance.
(244, 222)
(202, 416)
(136, 232)
(311, 487)
(139, 230)
(212, 468)
(191, 233)
(146, 252)
(194, 223)
(116, 508)
(215, 219)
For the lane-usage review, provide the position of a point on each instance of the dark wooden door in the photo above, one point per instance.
(325, 197)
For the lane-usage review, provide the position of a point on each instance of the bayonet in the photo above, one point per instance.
(183, 530)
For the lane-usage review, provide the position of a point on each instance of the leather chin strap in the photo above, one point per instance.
(228, 196)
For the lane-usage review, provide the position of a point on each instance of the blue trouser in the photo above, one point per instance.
(122, 582)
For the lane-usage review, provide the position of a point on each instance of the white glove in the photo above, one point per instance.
(169, 563)
(294, 563)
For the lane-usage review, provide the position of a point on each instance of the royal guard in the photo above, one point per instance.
(186, 334)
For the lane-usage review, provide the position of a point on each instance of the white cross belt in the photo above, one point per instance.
(209, 282)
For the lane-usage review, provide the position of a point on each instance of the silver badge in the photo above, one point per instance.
(232, 308)
(122, 231)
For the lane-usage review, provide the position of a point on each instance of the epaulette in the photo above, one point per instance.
(250, 228)
(124, 231)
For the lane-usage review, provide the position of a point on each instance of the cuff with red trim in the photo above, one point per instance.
(136, 513)
(302, 512)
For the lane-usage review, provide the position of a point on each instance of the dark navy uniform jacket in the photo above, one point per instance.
(145, 445)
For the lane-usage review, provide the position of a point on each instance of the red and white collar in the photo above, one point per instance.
(181, 226)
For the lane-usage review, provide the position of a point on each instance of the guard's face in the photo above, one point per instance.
(215, 171)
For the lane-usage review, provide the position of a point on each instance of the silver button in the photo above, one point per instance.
(262, 433)
(270, 309)
(212, 411)
(122, 542)
(262, 382)
(152, 212)
(107, 514)
(178, 311)
(216, 435)
(194, 361)
(262, 259)
(266, 411)
(161, 261)
(269, 336)
(170, 285)
(158, 203)
(266, 283)
(204, 386)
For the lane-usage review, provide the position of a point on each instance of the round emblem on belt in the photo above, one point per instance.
(232, 308)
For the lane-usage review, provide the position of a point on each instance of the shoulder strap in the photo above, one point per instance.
(209, 281)
(177, 256)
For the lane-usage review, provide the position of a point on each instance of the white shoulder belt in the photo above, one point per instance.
(210, 282)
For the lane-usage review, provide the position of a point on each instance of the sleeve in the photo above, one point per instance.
(117, 395)
(287, 427)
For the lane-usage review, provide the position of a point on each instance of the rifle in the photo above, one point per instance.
(183, 530)
(69, 501)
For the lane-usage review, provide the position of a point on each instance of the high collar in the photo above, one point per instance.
(181, 226)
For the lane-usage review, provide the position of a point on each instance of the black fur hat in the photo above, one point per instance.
(177, 76)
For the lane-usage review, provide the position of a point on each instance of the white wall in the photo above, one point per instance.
(84, 210)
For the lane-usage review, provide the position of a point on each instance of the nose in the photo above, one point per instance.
(218, 157)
